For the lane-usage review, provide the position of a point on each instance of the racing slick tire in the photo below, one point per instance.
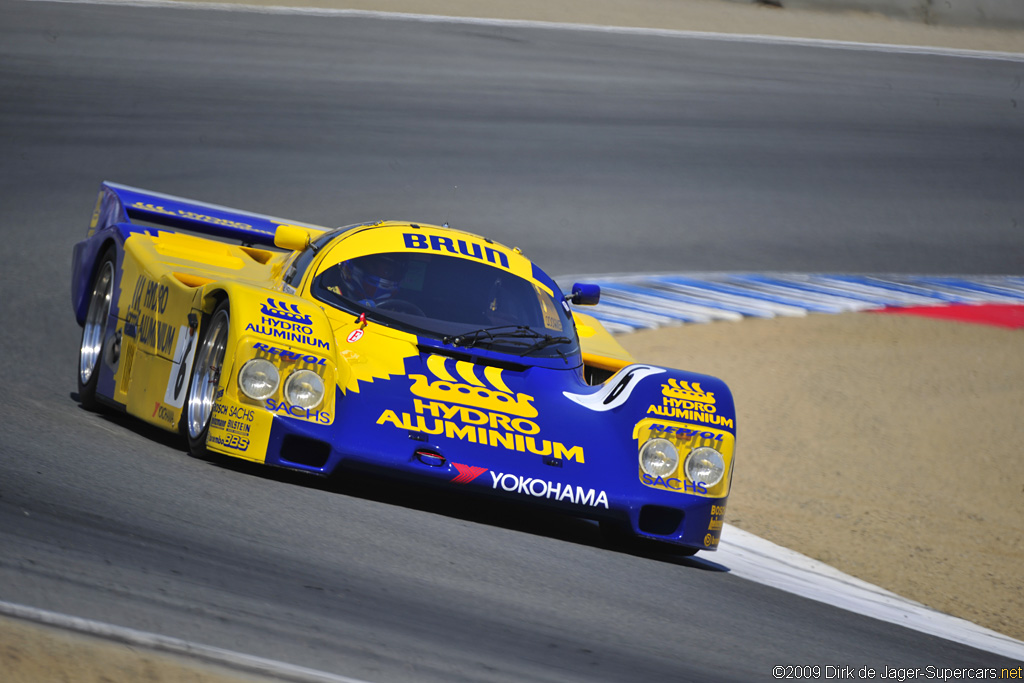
(94, 331)
(202, 386)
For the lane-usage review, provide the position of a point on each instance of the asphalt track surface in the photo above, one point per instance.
(595, 153)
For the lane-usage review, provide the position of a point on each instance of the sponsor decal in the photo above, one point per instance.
(150, 295)
(234, 412)
(617, 390)
(473, 392)
(682, 390)
(537, 488)
(354, 336)
(685, 434)
(149, 300)
(272, 327)
(467, 473)
(540, 488)
(289, 312)
(687, 401)
(455, 246)
(477, 426)
(95, 215)
(163, 413)
(155, 208)
(283, 408)
(229, 441)
(717, 518)
(237, 427)
(489, 414)
(287, 322)
(674, 483)
(289, 356)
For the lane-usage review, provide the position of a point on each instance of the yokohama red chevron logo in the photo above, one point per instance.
(467, 473)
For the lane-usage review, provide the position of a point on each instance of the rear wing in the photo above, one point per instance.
(124, 204)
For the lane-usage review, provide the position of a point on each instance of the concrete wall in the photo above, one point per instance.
(1007, 14)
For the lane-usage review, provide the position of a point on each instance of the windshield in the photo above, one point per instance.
(458, 301)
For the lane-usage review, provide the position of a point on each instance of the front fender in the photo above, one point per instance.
(688, 409)
(291, 333)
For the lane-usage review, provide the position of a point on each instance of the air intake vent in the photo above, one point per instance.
(431, 458)
(304, 451)
(662, 521)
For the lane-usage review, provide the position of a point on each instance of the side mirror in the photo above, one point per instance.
(292, 237)
(584, 294)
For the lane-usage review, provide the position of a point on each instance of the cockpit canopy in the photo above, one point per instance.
(458, 299)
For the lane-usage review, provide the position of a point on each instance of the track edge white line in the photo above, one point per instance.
(753, 38)
(235, 661)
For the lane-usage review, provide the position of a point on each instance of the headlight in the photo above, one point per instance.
(258, 379)
(705, 465)
(304, 388)
(659, 458)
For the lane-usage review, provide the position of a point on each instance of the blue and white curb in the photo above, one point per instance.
(632, 302)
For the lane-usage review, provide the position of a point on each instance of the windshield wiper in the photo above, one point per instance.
(546, 340)
(492, 334)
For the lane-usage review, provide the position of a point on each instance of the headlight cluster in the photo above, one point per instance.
(304, 388)
(659, 458)
(704, 464)
(258, 379)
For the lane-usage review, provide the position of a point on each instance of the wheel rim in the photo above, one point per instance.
(95, 329)
(208, 366)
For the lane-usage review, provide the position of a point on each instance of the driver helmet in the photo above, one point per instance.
(371, 279)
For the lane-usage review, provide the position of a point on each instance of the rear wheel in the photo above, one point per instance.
(202, 388)
(94, 331)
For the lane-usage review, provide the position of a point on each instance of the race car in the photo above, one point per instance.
(411, 349)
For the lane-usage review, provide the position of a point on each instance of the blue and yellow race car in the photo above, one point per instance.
(420, 350)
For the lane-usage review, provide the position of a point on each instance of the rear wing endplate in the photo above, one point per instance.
(124, 204)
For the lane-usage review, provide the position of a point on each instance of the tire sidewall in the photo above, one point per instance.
(197, 445)
(87, 390)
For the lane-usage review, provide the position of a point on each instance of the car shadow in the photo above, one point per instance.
(454, 503)
(475, 508)
(143, 429)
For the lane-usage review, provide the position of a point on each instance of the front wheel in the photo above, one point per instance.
(94, 332)
(202, 388)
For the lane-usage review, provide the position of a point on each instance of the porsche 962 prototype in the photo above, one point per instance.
(419, 350)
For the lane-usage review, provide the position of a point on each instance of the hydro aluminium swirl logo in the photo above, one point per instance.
(473, 391)
(284, 311)
(472, 403)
